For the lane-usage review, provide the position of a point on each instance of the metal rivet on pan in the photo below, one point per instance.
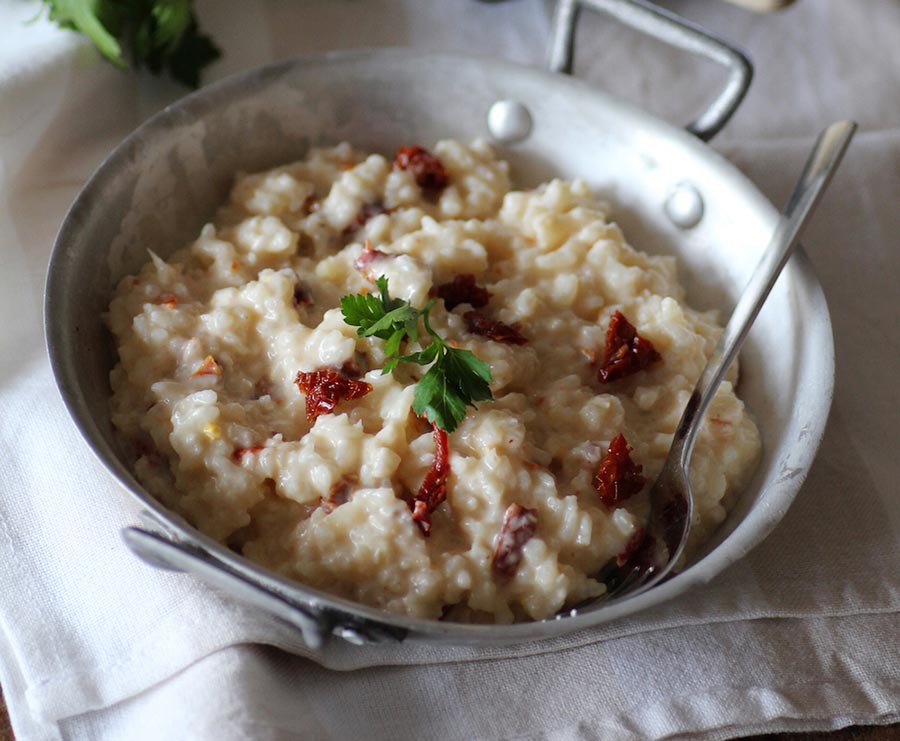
(684, 206)
(509, 121)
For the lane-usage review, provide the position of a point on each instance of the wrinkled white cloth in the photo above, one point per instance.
(804, 633)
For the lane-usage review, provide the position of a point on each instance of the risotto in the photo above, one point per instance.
(226, 351)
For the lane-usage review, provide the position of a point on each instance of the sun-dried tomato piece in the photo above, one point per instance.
(166, 299)
(239, 453)
(351, 369)
(209, 367)
(324, 388)
(366, 212)
(463, 290)
(421, 515)
(427, 170)
(366, 258)
(145, 448)
(311, 204)
(631, 547)
(626, 351)
(519, 525)
(478, 323)
(301, 295)
(339, 494)
(618, 477)
(433, 490)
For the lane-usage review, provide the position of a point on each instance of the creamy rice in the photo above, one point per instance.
(211, 340)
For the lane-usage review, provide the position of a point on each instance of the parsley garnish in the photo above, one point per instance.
(457, 378)
(161, 35)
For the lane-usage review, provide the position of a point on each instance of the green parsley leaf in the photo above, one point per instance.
(394, 321)
(194, 52)
(392, 346)
(472, 375)
(456, 379)
(361, 310)
(84, 16)
(380, 316)
(439, 399)
(161, 35)
(426, 356)
(382, 284)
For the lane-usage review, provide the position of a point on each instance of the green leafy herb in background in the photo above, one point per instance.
(161, 35)
(457, 378)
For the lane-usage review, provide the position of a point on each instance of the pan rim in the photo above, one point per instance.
(741, 539)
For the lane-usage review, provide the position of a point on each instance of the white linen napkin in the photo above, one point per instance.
(800, 634)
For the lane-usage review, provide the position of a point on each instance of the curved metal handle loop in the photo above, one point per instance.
(670, 29)
(315, 625)
(163, 553)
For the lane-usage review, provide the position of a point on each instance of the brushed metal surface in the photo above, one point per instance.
(164, 182)
(651, 20)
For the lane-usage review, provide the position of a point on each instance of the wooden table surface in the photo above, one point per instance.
(5, 729)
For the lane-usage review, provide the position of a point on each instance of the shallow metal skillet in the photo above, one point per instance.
(670, 192)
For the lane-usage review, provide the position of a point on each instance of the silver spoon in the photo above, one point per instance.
(671, 501)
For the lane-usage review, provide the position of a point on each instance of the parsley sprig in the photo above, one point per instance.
(161, 35)
(456, 379)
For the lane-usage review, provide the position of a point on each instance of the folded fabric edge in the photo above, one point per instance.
(25, 723)
(808, 710)
(68, 695)
(340, 656)
(723, 711)
(96, 686)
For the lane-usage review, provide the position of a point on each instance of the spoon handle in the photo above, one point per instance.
(821, 165)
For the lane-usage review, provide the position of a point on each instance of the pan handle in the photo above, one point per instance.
(314, 624)
(671, 29)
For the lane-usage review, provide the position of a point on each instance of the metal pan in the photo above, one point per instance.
(670, 192)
